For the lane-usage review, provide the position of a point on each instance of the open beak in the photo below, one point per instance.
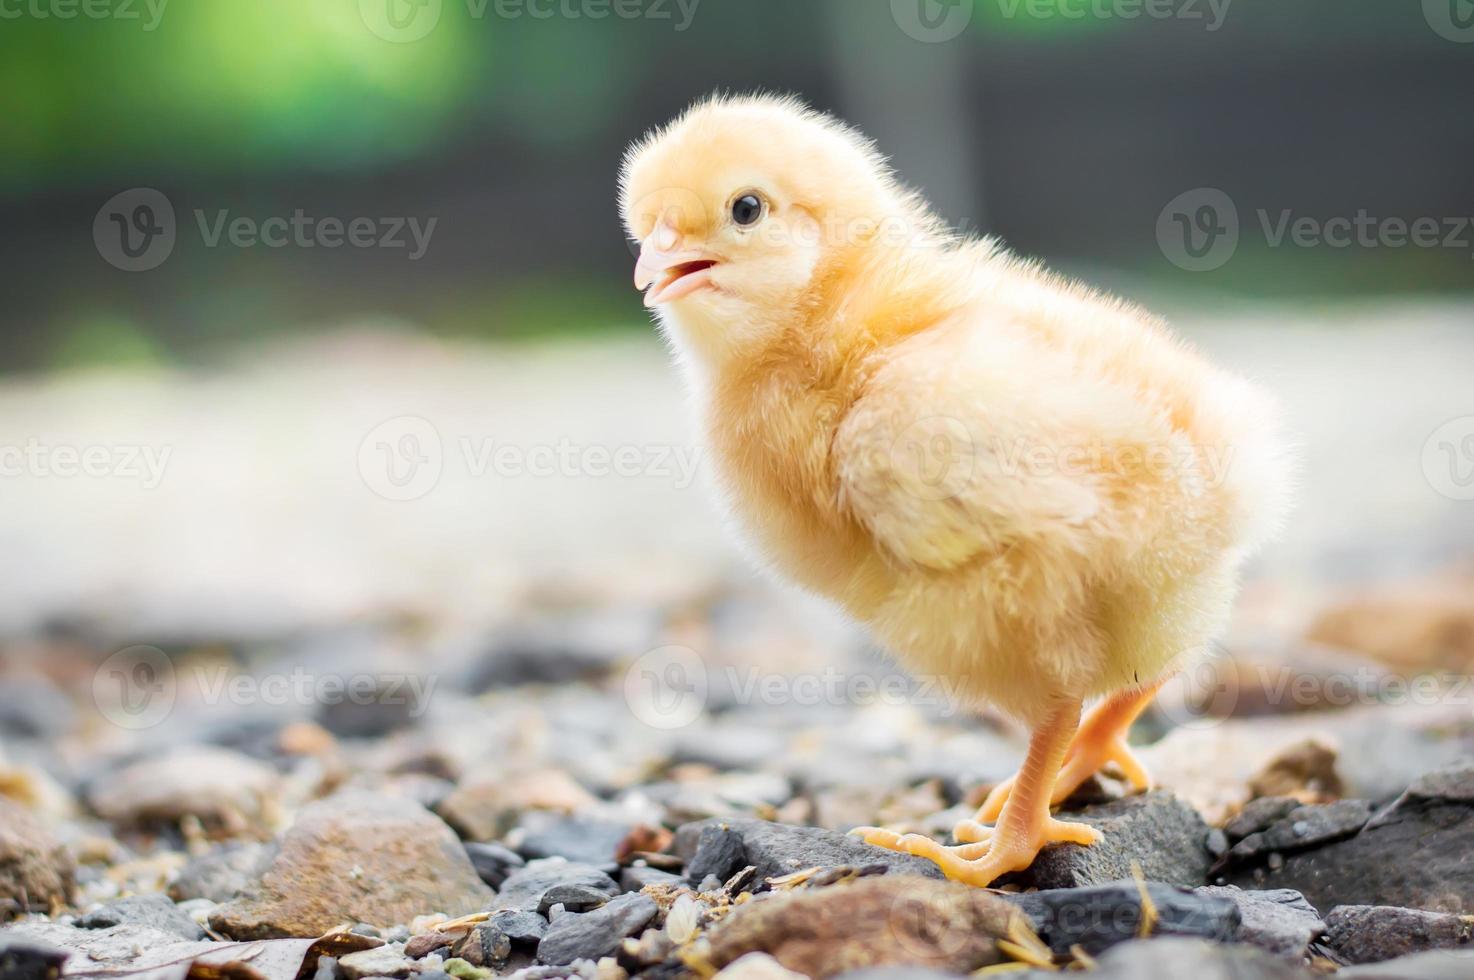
(668, 275)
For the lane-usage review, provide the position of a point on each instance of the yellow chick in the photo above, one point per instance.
(1026, 489)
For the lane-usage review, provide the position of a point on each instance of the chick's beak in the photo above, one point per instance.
(668, 273)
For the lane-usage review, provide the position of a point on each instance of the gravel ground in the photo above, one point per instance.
(261, 719)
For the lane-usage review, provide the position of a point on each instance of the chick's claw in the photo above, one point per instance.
(980, 863)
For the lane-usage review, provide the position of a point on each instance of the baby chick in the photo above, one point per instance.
(1023, 487)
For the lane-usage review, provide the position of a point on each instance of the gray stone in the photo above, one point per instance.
(1280, 921)
(1300, 829)
(1103, 916)
(493, 862)
(1373, 933)
(571, 646)
(155, 911)
(525, 888)
(222, 874)
(591, 935)
(356, 857)
(519, 926)
(22, 959)
(722, 847)
(573, 898)
(1258, 814)
(33, 707)
(585, 839)
(904, 973)
(384, 961)
(1148, 959)
(36, 871)
(1156, 832)
(1417, 853)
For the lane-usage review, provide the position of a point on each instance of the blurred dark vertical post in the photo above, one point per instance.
(911, 97)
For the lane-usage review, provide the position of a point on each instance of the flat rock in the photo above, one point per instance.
(145, 953)
(592, 935)
(887, 920)
(757, 966)
(1374, 933)
(36, 871)
(1102, 916)
(1417, 853)
(1438, 964)
(1280, 921)
(636, 877)
(526, 888)
(356, 857)
(1155, 832)
(1147, 959)
(224, 789)
(155, 911)
(722, 847)
(384, 961)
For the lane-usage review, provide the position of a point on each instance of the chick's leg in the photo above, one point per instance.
(1101, 739)
(1025, 825)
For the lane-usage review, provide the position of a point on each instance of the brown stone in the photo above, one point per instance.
(356, 857)
(36, 872)
(1416, 627)
(1305, 771)
(881, 921)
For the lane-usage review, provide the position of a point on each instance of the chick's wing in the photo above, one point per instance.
(964, 445)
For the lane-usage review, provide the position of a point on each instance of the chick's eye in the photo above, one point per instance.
(747, 209)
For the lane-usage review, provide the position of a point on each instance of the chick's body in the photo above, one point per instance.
(1026, 489)
(1035, 494)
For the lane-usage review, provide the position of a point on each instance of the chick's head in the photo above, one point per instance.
(742, 206)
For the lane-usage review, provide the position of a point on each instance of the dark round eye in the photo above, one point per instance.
(747, 209)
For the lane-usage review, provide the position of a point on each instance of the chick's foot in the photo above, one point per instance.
(980, 863)
(1024, 827)
(1100, 740)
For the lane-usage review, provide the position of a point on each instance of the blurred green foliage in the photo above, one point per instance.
(509, 129)
(221, 85)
